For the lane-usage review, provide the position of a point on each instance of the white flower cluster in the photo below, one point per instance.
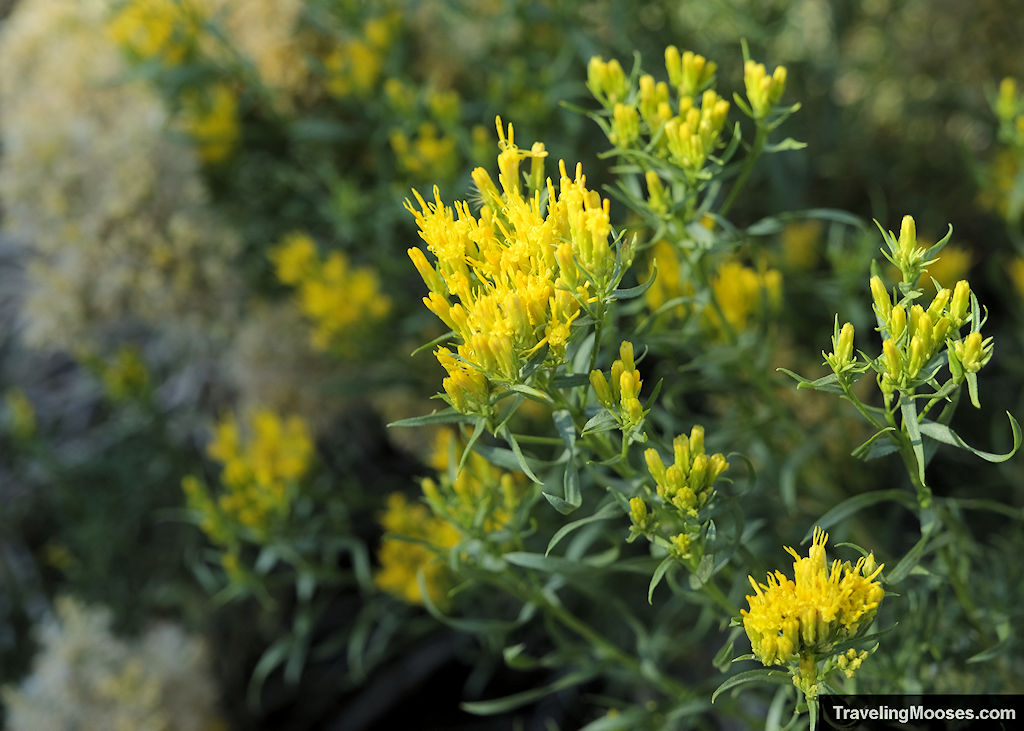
(109, 201)
(85, 677)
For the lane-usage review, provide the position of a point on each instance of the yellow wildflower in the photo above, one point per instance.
(478, 491)
(342, 301)
(801, 241)
(1017, 276)
(261, 470)
(126, 376)
(742, 292)
(401, 561)
(164, 30)
(516, 270)
(688, 484)
(797, 621)
(763, 91)
(210, 117)
(428, 154)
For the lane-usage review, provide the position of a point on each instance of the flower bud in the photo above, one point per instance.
(883, 305)
(897, 322)
(601, 388)
(938, 304)
(893, 362)
(959, 303)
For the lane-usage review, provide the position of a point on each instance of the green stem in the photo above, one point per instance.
(604, 648)
(748, 166)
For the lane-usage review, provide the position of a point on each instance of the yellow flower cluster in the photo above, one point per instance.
(688, 483)
(741, 292)
(685, 135)
(210, 116)
(799, 620)
(261, 472)
(341, 300)
(763, 91)
(479, 495)
(401, 561)
(621, 395)
(162, 30)
(913, 337)
(521, 271)
(354, 67)
(428, 154)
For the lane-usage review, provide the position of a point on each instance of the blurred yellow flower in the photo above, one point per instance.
(402, 561)
(342, 301)
(163, 30)
(742, 292)
(210, 116)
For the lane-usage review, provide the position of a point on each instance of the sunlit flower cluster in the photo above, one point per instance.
(341, 301)
(86, 677)
(210, 116)
(521, 273)
(411, 546)
(798, 621)
(262, 469)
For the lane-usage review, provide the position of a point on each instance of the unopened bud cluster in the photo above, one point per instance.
(763, 91)
(682, 488)
(620, 393)
(680, 121)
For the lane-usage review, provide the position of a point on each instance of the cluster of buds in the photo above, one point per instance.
(914, 337)
(688, 483)
(621, 396)
(688, 72)
(684, 132)
(606, 81)
(683, 488)
(693, 135)
(763, 91)
(1009, 108)
(841, 360)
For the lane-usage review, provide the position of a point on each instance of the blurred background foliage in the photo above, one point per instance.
(202, 221)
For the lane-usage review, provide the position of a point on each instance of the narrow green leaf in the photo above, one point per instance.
(829, 383)
(787, 144)
(570, 380)
(908, 562)
(523, 465)
(723, 658)
(909, 410)
(761, 675)
(638, 290)
(972, 388)
(704, 571)
(501, 705)
(448, 416)
(942, 433)
(659, 574)
(436, 341)
(566, 427)
(864, 449)
(602, 421)
(532, 393)
(857, 503)
(610, 510)
(478, 429)
(269, 660)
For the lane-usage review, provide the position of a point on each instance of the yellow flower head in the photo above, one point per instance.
(742, 292)
(509, 281)
(804, 617)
